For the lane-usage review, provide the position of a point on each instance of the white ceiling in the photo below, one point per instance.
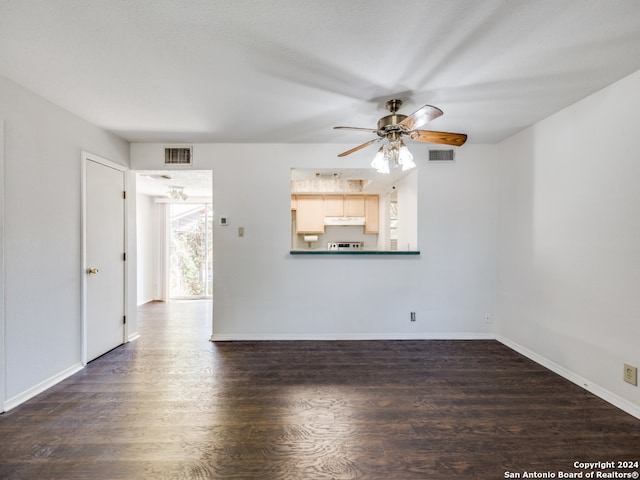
(289, 70)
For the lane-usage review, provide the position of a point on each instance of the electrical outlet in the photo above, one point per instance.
(413, 316)
(487, 318)
(631, 374)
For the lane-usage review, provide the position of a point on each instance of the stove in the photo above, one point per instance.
(344, 246)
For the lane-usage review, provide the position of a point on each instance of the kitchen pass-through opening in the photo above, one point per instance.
(353, 210)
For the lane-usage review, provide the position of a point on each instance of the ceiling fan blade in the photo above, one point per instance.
(370, 130)
(359, 147)
(421, 116)
(445, 138)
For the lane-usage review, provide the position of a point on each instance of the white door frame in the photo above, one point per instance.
(86, 157)
(3, 344)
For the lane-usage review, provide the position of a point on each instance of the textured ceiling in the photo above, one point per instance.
(289, 70)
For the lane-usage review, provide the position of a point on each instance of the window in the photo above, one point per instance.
(190, 250)
(393, 221)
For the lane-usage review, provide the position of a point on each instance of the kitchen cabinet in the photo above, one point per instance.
(311, 210)
(344, 205)
(371, 214)
(334, 205)
(309, 214)
(354, 205)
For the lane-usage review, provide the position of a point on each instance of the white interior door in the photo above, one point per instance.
(105, 249)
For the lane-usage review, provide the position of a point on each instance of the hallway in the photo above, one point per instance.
(173, 405)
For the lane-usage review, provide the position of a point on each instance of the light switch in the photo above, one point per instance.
(241, 231)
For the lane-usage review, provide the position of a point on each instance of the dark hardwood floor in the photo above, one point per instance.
(173, 405)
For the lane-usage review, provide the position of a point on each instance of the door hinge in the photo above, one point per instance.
(124, 257)
(124, 194)
(124, 319)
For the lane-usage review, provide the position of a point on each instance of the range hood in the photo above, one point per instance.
(344, 221)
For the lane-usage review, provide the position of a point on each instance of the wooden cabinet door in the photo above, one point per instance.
(354, 205)
(309, 214)
(334, 205)
(372, 214)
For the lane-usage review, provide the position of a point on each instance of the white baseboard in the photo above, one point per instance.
(603, 393)
(41, 387)
(244, 337)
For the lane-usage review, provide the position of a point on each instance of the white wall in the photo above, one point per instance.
(261, 291)
(148, 236)
(42, 237)
(569, 231)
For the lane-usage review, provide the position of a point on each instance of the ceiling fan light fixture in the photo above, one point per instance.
(395, 154)
(177, 193)
(405, 158)
(380, 162)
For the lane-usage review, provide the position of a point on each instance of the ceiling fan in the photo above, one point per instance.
(396, 126)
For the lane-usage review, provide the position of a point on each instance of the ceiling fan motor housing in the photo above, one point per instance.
(389, 126)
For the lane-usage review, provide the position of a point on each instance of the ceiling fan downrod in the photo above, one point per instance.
(394, 105)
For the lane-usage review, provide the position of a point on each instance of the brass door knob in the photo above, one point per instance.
(92, 271)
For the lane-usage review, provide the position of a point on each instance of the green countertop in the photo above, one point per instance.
(356, 252)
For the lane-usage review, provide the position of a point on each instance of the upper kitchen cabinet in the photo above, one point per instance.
(309, 214)
(311, 211)
(371, 214)
(354, 205)
(334, 206)
(344, 205)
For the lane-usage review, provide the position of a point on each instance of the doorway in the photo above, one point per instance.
(174, 215)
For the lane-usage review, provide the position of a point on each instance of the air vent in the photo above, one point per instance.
(177, 156)
(441, 155)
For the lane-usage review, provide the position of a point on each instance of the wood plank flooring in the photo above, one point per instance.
(173, 405)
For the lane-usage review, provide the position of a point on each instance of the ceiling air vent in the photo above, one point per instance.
(178, 155)
(441, 155)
